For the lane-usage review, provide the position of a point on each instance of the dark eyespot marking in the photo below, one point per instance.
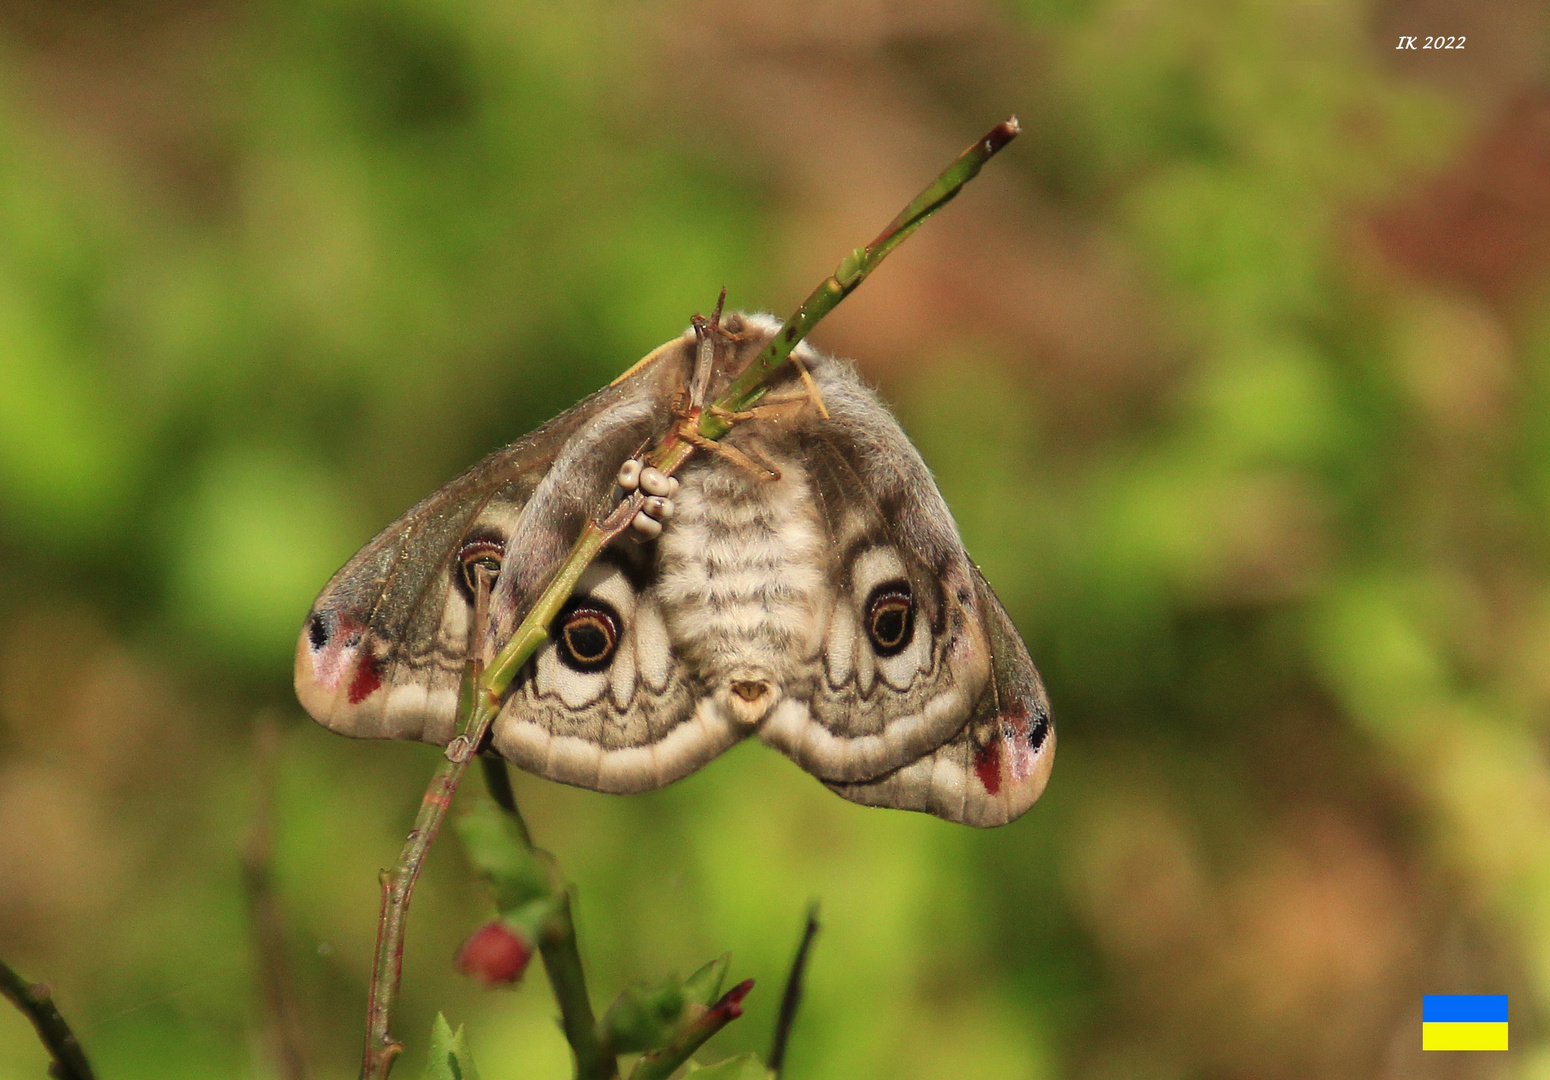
(586, 634)
(481, 552)
(890, 617)
(317, 631)
(1038, 728)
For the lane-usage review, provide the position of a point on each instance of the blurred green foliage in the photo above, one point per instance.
(1274, 523)
(448, 1058)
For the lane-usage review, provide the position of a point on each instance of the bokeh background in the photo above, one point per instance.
(1235, 370)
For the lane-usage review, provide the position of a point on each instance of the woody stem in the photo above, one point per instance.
(37, 1002)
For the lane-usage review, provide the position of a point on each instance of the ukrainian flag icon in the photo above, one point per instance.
(1464, 1022)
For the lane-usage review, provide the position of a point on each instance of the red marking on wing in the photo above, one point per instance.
(987, 765)
(368, 679)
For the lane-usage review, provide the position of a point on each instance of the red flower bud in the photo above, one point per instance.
(496, 954)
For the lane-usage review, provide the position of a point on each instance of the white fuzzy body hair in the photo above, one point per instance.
(742, 581)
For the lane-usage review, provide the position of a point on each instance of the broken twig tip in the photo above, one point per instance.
(730, 1007)
(1002, 134)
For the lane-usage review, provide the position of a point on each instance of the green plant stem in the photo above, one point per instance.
(562, 962)
(485, 690)
(661, 1064)
(497, 778)
(559, 949)
(852, 271)
(35, 1000)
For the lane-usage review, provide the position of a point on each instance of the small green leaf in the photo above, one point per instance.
(851, 266)
(645, 1017)
(704, 986)
(741, 1067)
(519, 873)
(449, 1058)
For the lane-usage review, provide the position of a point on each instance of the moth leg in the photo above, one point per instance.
(732, 417)
(658, 489)
(762, 469)
(781, 399)
(772, 403)
(812, 387)
(778, 407)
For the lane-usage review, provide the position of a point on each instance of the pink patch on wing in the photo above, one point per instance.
(1006, 756)
(325, 665)
(1014, 732)
(368, 679)
(337, 655)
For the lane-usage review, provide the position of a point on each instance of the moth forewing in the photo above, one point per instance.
(382, 650)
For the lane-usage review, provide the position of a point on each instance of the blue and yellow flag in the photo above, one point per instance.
(1464, 1022)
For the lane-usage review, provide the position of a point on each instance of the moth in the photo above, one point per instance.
(803, 582)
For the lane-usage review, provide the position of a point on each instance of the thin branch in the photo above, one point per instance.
(853, 270)
(483, 691)
(791, 999)
(562, 962)
(661, 1064)
(497, 779)
(382, 1049)
(397, 889)
(561, 954)
(37, 1002)
(282, 1027)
